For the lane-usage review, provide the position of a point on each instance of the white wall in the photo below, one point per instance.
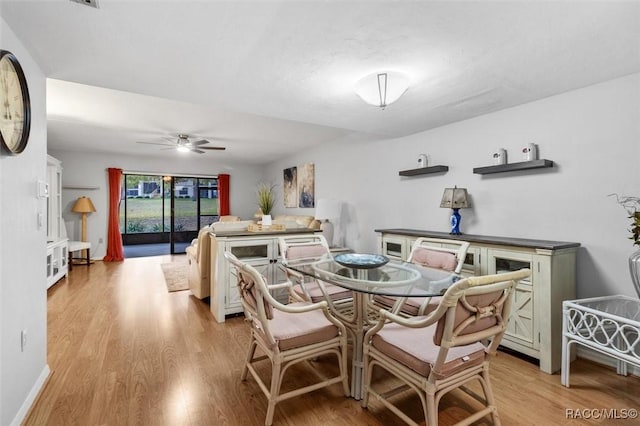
(592, 134)
(90, 169)
(23, 293)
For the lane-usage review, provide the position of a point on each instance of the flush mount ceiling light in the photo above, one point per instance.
(382, 88)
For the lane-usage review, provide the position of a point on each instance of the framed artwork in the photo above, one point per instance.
(306, 185)
(290, 187)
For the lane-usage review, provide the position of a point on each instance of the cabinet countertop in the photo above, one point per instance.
(246, 233)
(508, 241)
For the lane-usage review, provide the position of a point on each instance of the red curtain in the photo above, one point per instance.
(223, 195)
(115, 251)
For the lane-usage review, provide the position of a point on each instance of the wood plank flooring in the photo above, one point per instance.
(124, 351)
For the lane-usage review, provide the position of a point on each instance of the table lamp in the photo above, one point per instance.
(83, 206)
(455, 198)
(327, 209)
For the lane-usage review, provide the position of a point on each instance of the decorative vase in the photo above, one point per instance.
(266, 220)
(634, 269)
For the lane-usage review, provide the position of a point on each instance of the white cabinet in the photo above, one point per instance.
(258, 250)
(535, 324)
(57, 254)
(57, 257)
(54, 203)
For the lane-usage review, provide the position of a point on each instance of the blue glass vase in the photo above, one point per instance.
(455, 222)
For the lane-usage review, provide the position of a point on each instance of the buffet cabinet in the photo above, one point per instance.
(260, 250)
(57, 244)
(535, 324)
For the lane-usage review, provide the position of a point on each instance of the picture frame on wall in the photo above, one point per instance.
(290, 186)
(306, 185)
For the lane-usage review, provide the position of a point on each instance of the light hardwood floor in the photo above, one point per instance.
(124, 351)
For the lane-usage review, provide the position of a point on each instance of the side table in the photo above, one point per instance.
(609, 325)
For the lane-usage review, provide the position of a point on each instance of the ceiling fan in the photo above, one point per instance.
(184, 144)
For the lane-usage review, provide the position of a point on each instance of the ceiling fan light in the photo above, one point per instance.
(382, 88)
(182, 149)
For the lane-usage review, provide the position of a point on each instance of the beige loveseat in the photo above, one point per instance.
(199, 253)
(293, 221)
(200, 264)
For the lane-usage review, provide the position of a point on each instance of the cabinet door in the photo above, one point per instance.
(49, 263)
(257, 253)
(64, 256)
(395, 247)
(522, 328)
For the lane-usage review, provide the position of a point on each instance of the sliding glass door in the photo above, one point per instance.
(166, 210)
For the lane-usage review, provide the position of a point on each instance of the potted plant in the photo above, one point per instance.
(266, 200)
(632, 206)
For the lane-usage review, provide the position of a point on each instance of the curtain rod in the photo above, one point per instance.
(133, 172)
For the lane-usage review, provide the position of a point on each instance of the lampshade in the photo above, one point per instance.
(455, 198)
(382, 88)
(327, 208)
(83, 205)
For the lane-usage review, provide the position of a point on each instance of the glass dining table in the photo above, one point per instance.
(367, 279)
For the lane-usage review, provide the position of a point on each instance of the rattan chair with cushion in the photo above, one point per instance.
(312, 248)
(287, 335)
(446, 349)
(431, 253)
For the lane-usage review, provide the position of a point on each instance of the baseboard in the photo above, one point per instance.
(31, 397)
(603, 359)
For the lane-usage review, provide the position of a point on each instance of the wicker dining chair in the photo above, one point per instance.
(446, 349)
(425, 253)
(287, 335)
(312, 248)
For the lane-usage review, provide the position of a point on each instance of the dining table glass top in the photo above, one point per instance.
(395, 278)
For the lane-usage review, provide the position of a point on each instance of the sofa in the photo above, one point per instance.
(293, 221)
(200, 264)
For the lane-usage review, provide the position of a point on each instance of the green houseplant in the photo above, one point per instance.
(632, 206)
(266, 200)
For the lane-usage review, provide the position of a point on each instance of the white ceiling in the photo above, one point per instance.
(265, 78)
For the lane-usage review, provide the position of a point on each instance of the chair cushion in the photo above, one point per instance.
(295, 330)
(311, 251)
(434, 259)
(411, 305)
(250, 293)
(478, 301)
(335, 292)
(414, 348)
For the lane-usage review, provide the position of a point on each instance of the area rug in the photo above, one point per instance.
(175, 276)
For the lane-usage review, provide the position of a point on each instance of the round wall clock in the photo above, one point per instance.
(15, 109)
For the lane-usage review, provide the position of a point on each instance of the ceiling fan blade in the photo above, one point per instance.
(196, 150)
(155, 143)
(200, 142)
(213, 148)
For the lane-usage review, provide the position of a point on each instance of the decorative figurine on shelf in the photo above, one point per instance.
(530, 152)
(500, 157)
(422, 160)
(455, 198)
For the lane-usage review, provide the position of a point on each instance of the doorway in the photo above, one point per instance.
(162, 214)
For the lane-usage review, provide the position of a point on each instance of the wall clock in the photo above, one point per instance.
(15, 108)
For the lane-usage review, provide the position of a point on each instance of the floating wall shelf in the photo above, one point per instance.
(524, 165)
(423, 171)
(80, 187)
